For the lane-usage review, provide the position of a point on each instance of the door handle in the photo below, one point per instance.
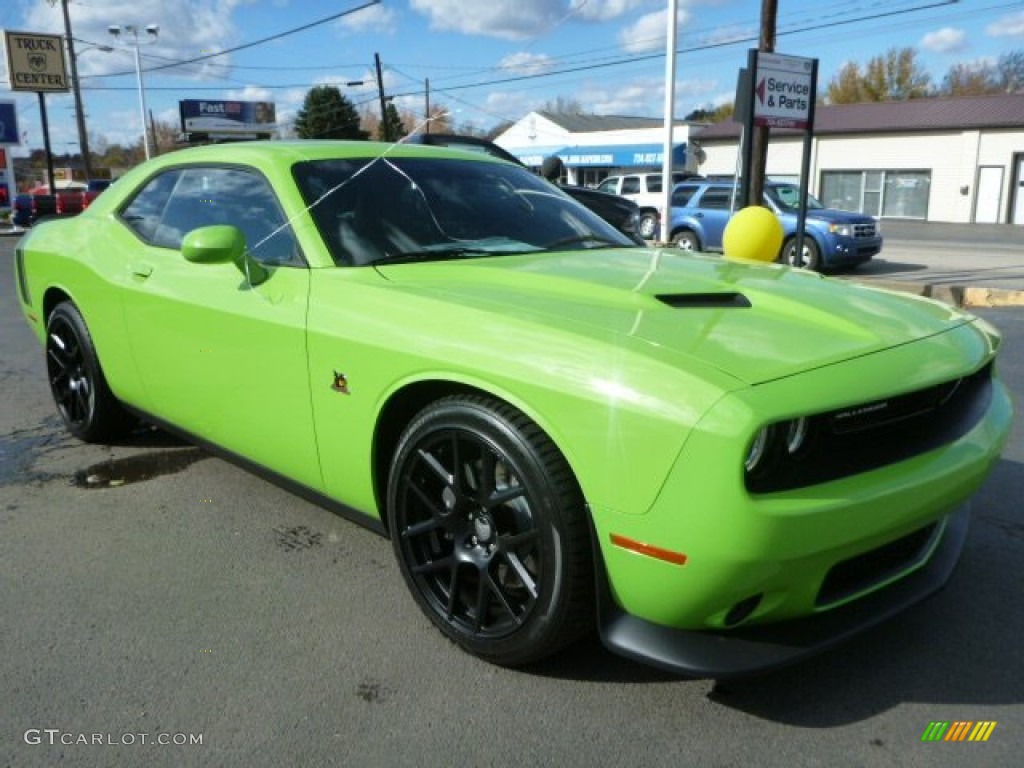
(141, 269)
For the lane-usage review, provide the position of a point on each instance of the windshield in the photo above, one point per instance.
(389, 210)
(787, 197)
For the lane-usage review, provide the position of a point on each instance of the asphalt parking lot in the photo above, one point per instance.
(151, 591)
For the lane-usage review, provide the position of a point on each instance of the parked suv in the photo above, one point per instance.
(645, 190)
(833, 239)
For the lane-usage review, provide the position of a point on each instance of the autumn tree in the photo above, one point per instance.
(327, 114)
(894, 76)
(1010, 72)
(970, 80)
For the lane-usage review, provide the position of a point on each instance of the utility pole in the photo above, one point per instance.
(385, 132)
(83, 136)
(759, 135)
(426, 108)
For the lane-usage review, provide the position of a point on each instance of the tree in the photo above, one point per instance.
(845, 87)
(1010, 72)
(967, 80)
(327, 114)
(893, 76)
(562, 105)
(391, 128)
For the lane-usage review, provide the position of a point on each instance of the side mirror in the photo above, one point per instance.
(219, 244)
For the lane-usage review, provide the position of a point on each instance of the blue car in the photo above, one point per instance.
(833, 239)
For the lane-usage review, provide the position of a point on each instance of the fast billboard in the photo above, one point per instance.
(227, 117)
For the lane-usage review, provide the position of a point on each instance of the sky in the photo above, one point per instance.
(486, 61)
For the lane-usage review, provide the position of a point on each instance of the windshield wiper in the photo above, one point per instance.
(432, 254)
(601, 242)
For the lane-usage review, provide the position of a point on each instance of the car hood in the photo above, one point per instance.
(754, 322)
(834, 216)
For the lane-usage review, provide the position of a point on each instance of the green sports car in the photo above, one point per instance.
(722, 466)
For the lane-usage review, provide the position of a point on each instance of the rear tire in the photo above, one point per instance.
(490, 531)
(89, 409)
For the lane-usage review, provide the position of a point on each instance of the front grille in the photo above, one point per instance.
(876, 566)
(865, 230)
(875, 434)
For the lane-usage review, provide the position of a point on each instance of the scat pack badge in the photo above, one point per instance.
(340, 383)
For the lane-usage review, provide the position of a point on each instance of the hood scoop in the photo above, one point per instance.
(718, 300)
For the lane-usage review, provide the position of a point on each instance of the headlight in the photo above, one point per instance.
(778, 447)
(796, 435)
(843, 230)
(758, 449)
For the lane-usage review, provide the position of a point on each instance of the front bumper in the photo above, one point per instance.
(760, 648)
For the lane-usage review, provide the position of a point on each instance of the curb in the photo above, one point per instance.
(955, 295)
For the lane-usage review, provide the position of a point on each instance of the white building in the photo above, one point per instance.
(594, 146)
(954, 160)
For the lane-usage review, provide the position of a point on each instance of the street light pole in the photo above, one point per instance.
(152, 29)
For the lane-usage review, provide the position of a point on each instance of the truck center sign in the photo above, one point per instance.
(35, 62)
(783, 91)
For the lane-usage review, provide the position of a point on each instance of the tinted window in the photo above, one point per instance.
(631, 185)
(206, 196)
(681, 196)
(144, 211)
(715, 197)
(419, 209)
(654, 183)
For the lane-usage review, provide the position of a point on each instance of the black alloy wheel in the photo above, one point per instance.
(80, 392)
(490, 531)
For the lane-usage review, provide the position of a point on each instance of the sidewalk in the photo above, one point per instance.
(968, 265)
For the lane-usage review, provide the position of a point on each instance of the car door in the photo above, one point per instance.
(219, 356)
(713, 209)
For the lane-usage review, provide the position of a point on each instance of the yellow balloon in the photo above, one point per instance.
(753, 234)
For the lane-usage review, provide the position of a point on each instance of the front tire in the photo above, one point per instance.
(685, 240)
(490, 531)
(809, 259)
(89, 409)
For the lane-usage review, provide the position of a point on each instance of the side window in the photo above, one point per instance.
(681, 196)
(631, 185)
(654, 183)
(144, 212)
(207, 196)
(608, 185)
(717, 198)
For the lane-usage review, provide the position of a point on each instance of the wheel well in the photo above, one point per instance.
(397, 412)
(51, 299)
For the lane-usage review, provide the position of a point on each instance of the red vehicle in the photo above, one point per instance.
(70, 200)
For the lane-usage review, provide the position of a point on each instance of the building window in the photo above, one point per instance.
(891, 193)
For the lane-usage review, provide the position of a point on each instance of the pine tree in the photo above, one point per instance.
(391, 128)
(327, 114)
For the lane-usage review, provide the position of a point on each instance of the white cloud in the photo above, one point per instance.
(188, 28)
(605, 10)
(526, 63)
(1011, 25)
(945, 40)
(250, 93)
(506, 19)
(376, 18)
(649, 32)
